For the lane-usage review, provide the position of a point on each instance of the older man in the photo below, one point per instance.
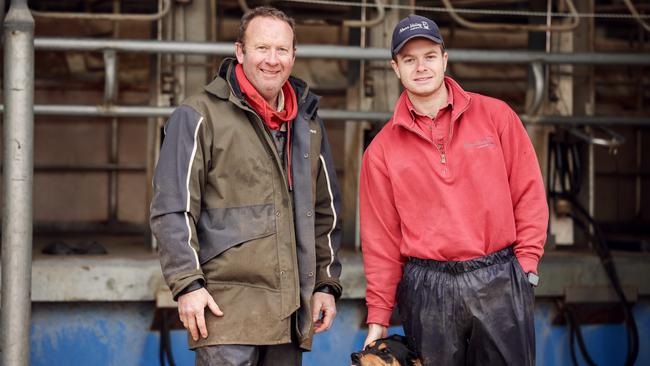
(453, 215)
(246, 204)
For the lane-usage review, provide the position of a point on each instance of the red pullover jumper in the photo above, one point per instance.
(485, 194)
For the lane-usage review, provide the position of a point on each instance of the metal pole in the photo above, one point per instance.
(340, 52)
(326, 114)
(2, 11)
(110, 97)
(97, 168)
(18, 143)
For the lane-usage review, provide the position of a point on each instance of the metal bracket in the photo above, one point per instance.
(381, 13)
(539, 89)
(635, 14)
(614, 141)
(110, 76)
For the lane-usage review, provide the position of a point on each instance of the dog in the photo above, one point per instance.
(389, 351)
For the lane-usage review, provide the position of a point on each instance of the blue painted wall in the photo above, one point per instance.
(119, 334)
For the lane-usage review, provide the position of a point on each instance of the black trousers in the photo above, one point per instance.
(475, 312)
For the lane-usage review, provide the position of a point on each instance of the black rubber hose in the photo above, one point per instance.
(575, 333)
(602, 249)
(165, 350)
(568, 177)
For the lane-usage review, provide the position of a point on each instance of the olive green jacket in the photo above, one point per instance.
(224, 214)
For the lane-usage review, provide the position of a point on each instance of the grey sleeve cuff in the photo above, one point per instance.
(193, 286)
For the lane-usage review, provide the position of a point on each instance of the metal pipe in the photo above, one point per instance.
(243, 6)
(591, 179)
(136, 168)
(338, 52)
(112, 174)
(636, 15)
(17, 178)
(615, 141)
(538, 91)
(2, 13)
(212, 20)
(88, 168)
(179, 67)
(326, 114)
(105, 16)
(381, 13)
(110, 96)
(586, 120)
(91, 228)
(638, 181)
(586, 58)
(575, 21)
(110, 76)
(619, 174)
(153, 123)
(101, 110)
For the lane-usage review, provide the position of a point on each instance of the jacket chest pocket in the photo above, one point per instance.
(242, 173)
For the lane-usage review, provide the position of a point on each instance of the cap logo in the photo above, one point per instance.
(413, 26)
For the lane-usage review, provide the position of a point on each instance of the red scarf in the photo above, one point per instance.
(272, 118)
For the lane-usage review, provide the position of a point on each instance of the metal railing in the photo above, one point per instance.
(334, 115)
(18, 130)
(110, 46)
(17, 183)
(339, 52)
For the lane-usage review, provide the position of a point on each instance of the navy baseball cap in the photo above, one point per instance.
(414, 26)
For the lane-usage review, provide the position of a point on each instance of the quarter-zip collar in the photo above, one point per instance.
(458, 98)
(414, 112)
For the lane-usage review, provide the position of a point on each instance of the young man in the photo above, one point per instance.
(453, 215)
(246, 204)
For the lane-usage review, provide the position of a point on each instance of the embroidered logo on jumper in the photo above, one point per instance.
(485, 142)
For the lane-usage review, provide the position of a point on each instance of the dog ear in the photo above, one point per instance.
(398, 338)
(413, 358)
(371, 345)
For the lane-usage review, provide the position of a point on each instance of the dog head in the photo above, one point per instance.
(390, 351)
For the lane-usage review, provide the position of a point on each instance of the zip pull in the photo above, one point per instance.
(443, 158)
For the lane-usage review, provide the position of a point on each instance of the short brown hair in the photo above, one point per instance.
(264, 11)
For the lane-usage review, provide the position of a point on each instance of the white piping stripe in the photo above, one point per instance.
(329, 238)
(187, 185)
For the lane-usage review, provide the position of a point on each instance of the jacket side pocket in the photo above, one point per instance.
(220, 229)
